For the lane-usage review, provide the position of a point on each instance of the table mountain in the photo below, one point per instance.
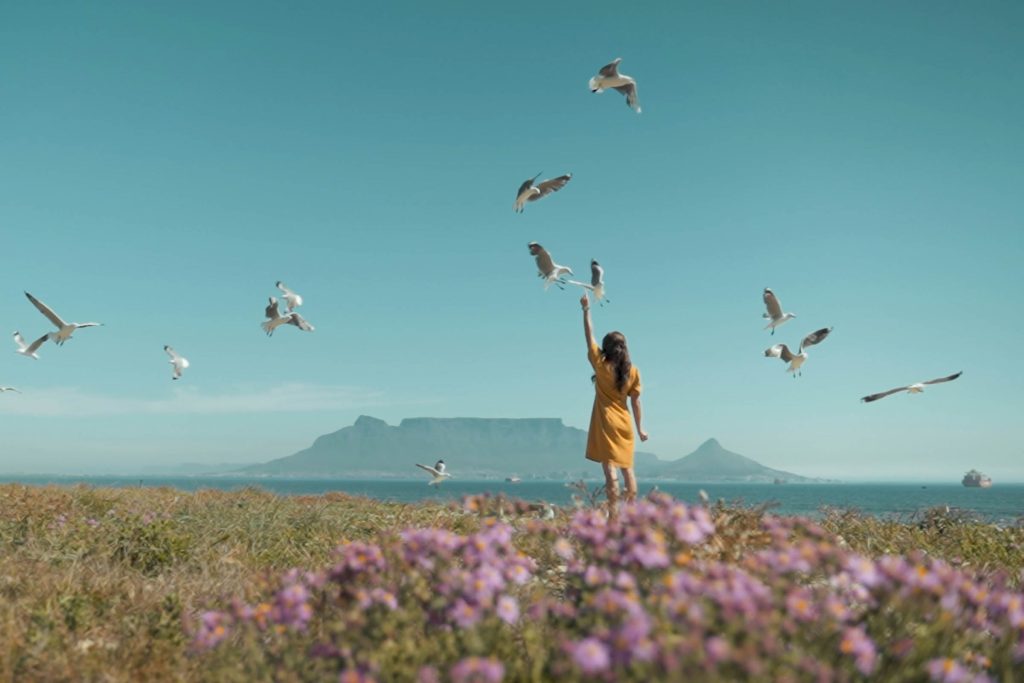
(472, 447)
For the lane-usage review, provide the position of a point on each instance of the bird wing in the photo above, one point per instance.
(544, 263)
(772, 304)
(629, 90)
(37, 343)
(271, 309)
(284, 289)
(428, 468)
(527, 184)
(611, 70)
(815, 337)
(20, 341)
(779, 351)
(596, 275)
(45, 310)
(552, 185)
(883, 394)
(940, 380)
(300, 322)
(584, 285)
(172, 353)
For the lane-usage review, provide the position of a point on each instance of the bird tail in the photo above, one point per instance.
(267, 328)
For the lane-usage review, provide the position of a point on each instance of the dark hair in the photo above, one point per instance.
(613, 348)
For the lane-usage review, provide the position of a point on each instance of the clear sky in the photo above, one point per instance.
(163, 164)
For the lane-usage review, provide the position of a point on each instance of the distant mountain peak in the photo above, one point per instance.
(709, 444)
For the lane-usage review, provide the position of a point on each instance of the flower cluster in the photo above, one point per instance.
(655, 594)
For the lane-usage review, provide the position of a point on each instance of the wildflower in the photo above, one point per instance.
(563, 548)
(212, 630)
(508, 609)
(591, 656)
(478, 670)
(856, 643)
(464, 614)
(355, 676)
(947, 670)
(716, 649)
(799, 604)
(428, 674)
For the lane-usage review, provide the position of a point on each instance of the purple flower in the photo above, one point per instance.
(464, 614)
(855, 642)
(947, 670)
(428, 674)
(508, 609)
(590, 655)
(478, 670)
(716, 649)
(563, 548)
(212, 629)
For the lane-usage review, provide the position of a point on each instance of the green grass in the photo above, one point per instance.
(102, 583)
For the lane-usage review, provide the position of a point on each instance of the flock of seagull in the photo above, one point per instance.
(796, 360)
(178, 362)
(548, 270)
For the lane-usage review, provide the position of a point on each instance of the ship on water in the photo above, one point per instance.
(976, 479)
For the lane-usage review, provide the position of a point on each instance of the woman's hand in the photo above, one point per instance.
(643, 435)
(585, 302)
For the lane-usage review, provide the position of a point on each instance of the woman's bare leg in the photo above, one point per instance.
(629, 477)
(611, 487)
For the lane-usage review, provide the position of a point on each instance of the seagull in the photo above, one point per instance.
(179, 363)
(276, 319)
(548, 269)
(3, 389)
(596, 282)
(774, 311)
(64, 330)
(438, 470)
(609, 77)
(291, 298)
(528, 192)
(911, 389)
(796, 360)
(26, 350)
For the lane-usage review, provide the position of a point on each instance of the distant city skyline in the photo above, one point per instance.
(164, 166)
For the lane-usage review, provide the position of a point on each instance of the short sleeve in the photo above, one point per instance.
(594, 355)
(637, 385)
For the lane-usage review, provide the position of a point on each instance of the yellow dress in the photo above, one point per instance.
(610, 438)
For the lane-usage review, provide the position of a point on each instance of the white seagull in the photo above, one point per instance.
(178, 363)
(596, 282)
(547, 268)
(438, 470)
(291, 298)
(64, 330)
(528, 192)
(609, 77)
(797, 360)
(3, 389)
(912, 388)
(774, 311)
(276, 319)
(29, 350)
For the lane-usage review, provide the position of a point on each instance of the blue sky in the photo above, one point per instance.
(163, 165)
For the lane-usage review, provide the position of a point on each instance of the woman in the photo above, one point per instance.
(610, 439)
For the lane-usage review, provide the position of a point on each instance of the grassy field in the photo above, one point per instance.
(144, 584)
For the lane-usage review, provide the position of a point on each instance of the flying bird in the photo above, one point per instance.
(178, 363)
(3, 389)
(528, 192)
(912, 388)
(29, 350)
(292, 299)
(796, 360)
(609, 77)
(774, 311)
(596, 282)
(438, 470)
(547, 268)
(275, 319)
(64, 330)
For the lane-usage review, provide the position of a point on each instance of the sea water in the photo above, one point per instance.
(1001, 503)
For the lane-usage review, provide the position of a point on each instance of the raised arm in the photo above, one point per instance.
(638, 415)
(588, 331)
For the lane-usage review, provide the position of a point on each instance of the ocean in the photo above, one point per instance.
(1002, 504)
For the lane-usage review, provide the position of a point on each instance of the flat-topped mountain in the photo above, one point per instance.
(474, 447)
